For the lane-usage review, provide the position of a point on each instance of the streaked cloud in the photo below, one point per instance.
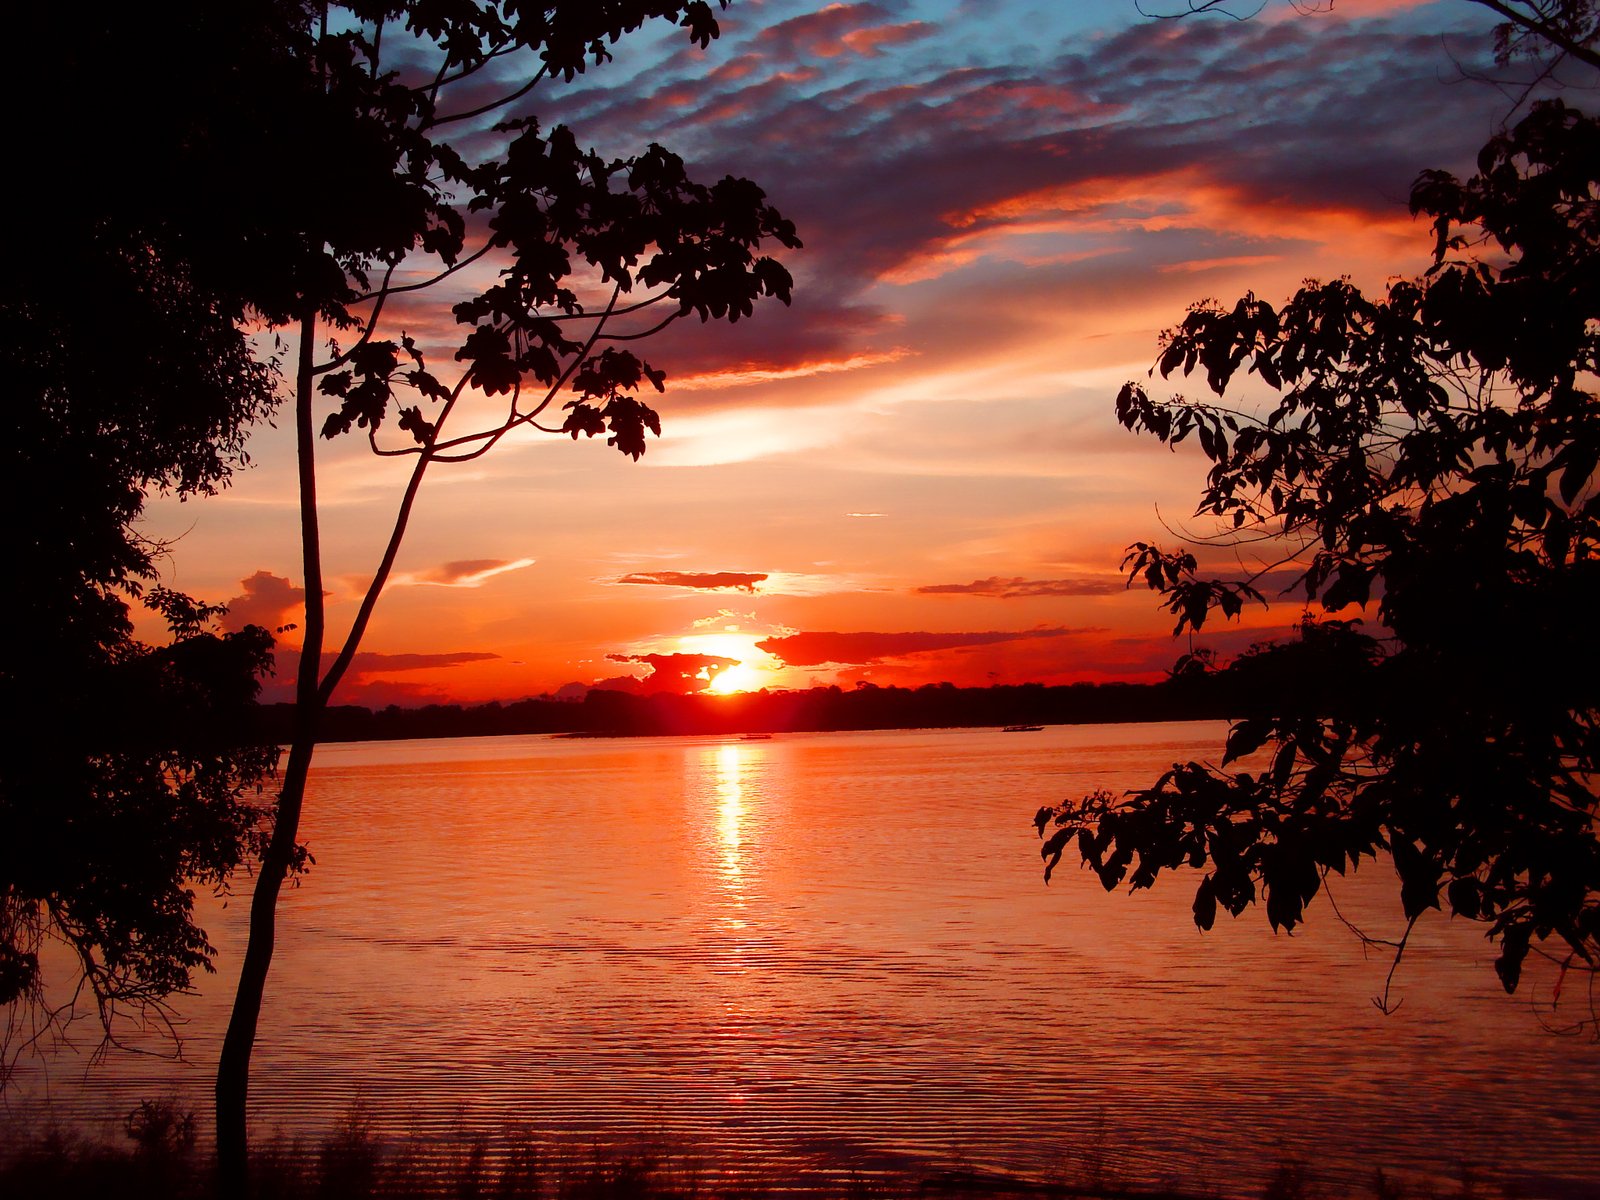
(749, 375)
(465, 573)
(960, 145)
(367, 663)
(744, 581)
(727, 618)
(839, 29)
(1012, 589)
(861, 649)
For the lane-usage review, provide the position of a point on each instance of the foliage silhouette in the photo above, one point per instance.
(136, 769)
(1539, 29)
(1432, 452)
(405, 161)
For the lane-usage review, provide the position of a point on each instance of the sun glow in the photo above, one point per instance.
(752, 669)
(736, 679)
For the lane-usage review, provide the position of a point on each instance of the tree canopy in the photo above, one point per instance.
(1430, 456)
(134, 770)
(304, 168)
(413, 153)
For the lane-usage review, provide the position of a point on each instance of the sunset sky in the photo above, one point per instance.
(914, 474)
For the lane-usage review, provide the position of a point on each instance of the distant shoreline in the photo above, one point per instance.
(609, 714)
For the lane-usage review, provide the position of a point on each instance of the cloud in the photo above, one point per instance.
(377, 693)
(949, 154)
(820, 649)
(748, 374)
(1194, 266)
(360, 687)
(1012, 589)
(838, 29)
(1026, 146)
(268, 600)
(870, 41)
(726, 618)
(668, 672)
(463, 573)
(1150, 656)
(744, 581)
(370, 663)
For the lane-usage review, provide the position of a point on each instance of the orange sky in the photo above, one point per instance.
(913, 474)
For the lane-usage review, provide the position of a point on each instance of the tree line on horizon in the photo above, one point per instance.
(1232, 692)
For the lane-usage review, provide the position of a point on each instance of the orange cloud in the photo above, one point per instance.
(747, 374)
(669, 672)
(868, 42)
(710, 580)
(821, 649)
(1191, 198)
(360, 686)
(464, 573)
(839, 28)
(1214, 264)
(1011, 589)
(268, 600)
(367, 663)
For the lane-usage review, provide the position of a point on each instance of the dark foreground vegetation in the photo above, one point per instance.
(1432, 457)
(933, 706)
(163, 1162)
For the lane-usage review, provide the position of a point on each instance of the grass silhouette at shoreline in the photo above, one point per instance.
(163, 1160)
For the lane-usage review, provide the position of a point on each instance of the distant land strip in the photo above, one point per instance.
(932, 706)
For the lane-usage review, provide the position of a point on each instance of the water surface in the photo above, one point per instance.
(839, 947)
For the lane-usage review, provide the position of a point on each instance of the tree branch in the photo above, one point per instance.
(391, 550)
(493, 436)
(1550, 33)
(644, 333)
(367, 331)
(385, 290)
(1193, 9)
(486, 108)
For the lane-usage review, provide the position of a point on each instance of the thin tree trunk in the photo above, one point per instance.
(233, 1066)
(312, 693)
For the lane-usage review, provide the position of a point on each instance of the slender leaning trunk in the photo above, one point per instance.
(233, 1066)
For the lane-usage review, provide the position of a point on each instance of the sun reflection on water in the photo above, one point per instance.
(730, 824)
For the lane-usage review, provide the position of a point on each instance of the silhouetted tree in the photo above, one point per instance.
(400, 151)
(1432, 453)
(1542, 29)
(132, 771)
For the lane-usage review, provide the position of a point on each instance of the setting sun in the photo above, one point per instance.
(736, 679)
(750, 669)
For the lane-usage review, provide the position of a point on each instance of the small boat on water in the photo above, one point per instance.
(1022, 729)
(755, 737)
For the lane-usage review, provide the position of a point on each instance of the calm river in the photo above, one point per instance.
(839, 949)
